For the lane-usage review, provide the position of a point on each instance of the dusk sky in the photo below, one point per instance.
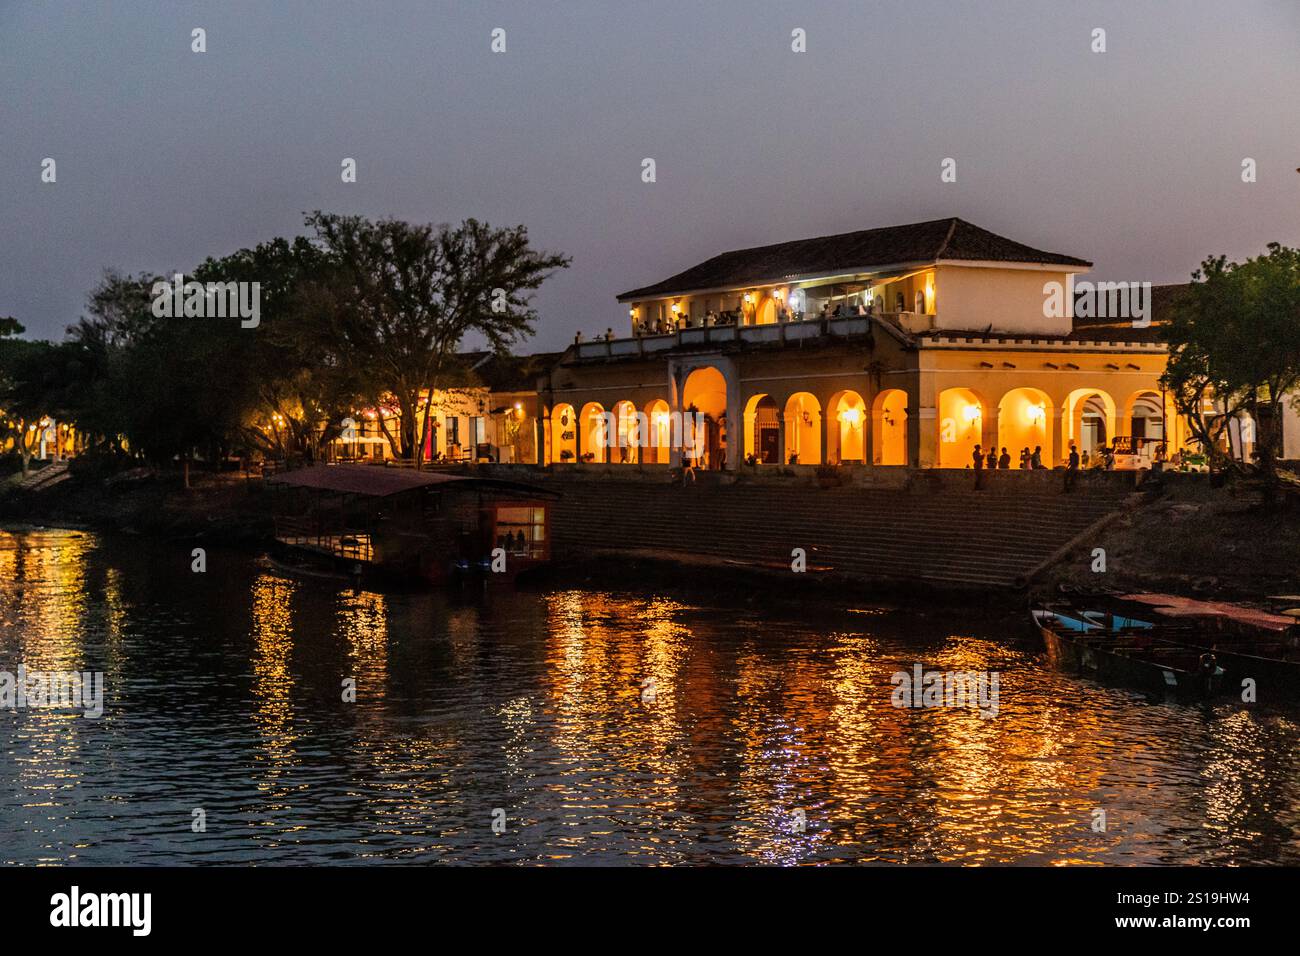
(1130, 158)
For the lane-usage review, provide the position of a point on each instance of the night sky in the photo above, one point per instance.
(1130, 158)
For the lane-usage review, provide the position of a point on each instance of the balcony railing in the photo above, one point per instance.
(773, 333)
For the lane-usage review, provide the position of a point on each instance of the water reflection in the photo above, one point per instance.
(770, 736)
(272, 681)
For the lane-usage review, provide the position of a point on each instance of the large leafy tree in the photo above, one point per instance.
(27, 389)
(170, 386)
(1234, 339)
(405, 296)
(295, 387)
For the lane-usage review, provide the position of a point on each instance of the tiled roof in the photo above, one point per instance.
(507, 373)
(1163, 298)
(852, 251)
(1092, 328)
(369, 480)
(376, 481)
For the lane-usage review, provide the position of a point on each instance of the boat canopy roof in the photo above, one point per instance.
(1171, 605)
(375, 481)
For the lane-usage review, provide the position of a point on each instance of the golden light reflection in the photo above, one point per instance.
(535, 703)
(272, 681)
(601, 651)
(48, 601)
(43, 610)
(362, 621)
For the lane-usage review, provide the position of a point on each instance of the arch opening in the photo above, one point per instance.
(762, 430)
(564, 434)
(1025, 423)
(961, 427)
(889, 427)
(705, 393)
(594, 437)
(846, 438)
(625, 442)
(803, 427)
(1089, 420)
(655, 446)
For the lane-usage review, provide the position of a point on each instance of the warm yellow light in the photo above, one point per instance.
(851, 416)
(1035, 413)
(748, 297)
(778, 293)
(971, 412)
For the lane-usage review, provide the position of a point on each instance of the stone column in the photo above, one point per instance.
(868, 426)
(830, 435)
(989, 425)
(678, 435)
(1061, 437)
(922, 442)
(735, 417)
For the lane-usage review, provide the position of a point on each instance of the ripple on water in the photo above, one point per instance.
(770, 737)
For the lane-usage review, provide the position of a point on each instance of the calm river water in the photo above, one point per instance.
(771, 737)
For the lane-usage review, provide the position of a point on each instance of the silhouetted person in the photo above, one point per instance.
(1036, 459)
(1071, 468)
(977, 457)
(1004, 463)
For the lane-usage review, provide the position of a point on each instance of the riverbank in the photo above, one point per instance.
(1184, 538)
(1191, 539)
(225, 509)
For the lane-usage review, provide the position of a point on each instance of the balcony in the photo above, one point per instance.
(725, 335)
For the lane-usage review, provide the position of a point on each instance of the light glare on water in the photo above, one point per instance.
(770, 736)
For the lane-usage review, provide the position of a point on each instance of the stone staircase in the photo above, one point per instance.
(961, 538)
(40, 478)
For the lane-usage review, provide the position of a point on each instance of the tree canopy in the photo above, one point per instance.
(1234, 348)
(359, 312)
(405, 297)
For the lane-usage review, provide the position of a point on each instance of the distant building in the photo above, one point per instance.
(490, 415)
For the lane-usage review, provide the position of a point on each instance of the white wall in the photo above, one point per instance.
(1290, 430)
(1010, 300)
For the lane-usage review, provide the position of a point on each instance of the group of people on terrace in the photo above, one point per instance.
(1030, 460)
(666, 325)
(1102, 459)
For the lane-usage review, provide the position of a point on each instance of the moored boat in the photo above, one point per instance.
(1189, 645)
(1125, 650)
(388, 524)
(1256, 649)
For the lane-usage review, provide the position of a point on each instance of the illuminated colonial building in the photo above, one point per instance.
(907, 345)
(491, 415)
